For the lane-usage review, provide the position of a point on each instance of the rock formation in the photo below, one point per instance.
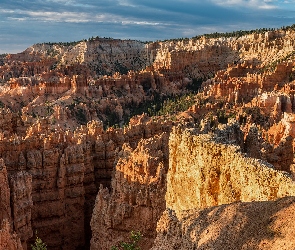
(205, 173)
(55, 176)
(214, 173)
(8, 240)
(239, 225)
(21, 200)
(77, 146)
(12, 218)
(135, 200)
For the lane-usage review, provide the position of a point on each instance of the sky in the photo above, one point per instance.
(26, 22)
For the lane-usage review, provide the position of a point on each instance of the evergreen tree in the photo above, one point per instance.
(39, 244)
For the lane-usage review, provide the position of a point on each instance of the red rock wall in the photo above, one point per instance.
(21, 205)
(8, 240)
(8, 205)
(55, 176)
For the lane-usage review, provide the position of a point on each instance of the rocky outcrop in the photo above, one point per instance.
(101, 55)
(5, 209)
(8, 238)
(246, 83)
(54, 176)
(219, 198)
(21, 205)
(135, 201)
(240, 225)
(8, 241)
(213, 173)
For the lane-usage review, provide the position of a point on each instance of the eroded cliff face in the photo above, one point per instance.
(54, 177)
(102, 55)
(213, 194)
(204, 172)
(22, 204)
(9, 239)
(135, 200)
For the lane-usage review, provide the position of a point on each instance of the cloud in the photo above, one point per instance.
(126, 3)
(24, 23)
(74, 17)
(261, 4)
(70, 3)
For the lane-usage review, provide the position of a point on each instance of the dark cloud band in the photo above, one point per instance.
(23, 23)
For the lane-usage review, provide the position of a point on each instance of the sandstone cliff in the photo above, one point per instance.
(208, 170)
(54, 177)
(8, 240)
(11, 218)
(135, 200)
(213, 173)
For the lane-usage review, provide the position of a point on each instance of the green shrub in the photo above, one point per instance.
(176, 104)
(132, 244)
(39, 244)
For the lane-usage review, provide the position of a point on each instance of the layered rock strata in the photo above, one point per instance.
(17, 218)
(21, 205)
(54, 177)
(9, 240)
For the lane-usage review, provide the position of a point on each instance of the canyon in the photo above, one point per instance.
(189, 141)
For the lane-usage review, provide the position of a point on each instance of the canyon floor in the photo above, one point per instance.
(188, 141)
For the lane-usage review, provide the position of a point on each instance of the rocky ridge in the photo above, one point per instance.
(239, 225)
(214, 173)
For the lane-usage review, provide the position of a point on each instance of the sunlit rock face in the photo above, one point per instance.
(218, 198)
(213, 171)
